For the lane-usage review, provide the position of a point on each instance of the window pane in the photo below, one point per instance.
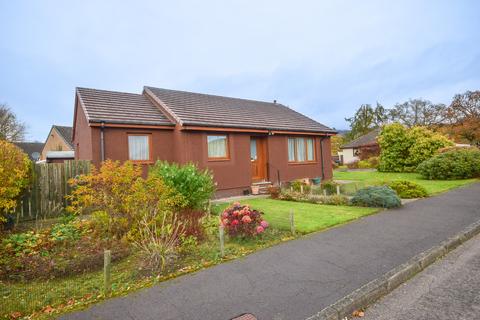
(301, 156)
(291, 149)
(310, 149)
(253, 149)
(138, 148)
(217, 146)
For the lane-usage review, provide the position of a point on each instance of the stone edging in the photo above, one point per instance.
(372, 291)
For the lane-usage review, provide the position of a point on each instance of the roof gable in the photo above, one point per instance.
(120, 107)
(217, 111)
(66, 134)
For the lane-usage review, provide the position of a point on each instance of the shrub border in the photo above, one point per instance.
(375, 289)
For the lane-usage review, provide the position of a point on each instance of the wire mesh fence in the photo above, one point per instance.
(23, 297)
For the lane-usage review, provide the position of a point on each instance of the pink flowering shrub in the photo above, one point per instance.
(241, 220)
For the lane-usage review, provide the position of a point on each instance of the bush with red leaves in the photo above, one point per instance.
(241, 220)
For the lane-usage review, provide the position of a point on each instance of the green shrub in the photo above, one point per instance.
(403, 149)
(455, 164)
(408, 189)
(376, 196)
(298, 184)
(330, 186)
(353, 164)
(195, 185)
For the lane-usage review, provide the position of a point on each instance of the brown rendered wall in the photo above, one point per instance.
(82, 138)
(233, 176)
(54, 143)
(279, 165)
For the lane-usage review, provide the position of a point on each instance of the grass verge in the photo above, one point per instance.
(375, 177)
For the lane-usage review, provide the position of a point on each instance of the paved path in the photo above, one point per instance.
(448, 289)
(296, 279)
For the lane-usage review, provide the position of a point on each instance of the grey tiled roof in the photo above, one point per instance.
(66, 133)
(120, 107)
(210, 110)
(365, 140)
(30, 147)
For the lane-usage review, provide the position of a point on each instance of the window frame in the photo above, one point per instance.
(227, 146)
(150, 147)
(305, 144)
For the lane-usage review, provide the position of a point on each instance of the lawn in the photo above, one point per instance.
(374, 177)
(308, 217)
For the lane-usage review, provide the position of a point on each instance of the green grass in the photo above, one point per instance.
(308, 217)
(374, 177)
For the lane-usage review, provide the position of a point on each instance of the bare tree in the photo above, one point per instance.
(11, 129)
(418, 112)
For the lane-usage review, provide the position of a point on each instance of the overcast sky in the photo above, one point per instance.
(322, 58)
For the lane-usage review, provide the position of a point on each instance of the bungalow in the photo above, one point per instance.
(366, 143)
(243, 142)
(58, 145)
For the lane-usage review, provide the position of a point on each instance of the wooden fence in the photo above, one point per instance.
(45, 198)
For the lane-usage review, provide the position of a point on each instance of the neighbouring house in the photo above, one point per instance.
(58, 145)
(366, 144)
(243, 142)
(32, 149)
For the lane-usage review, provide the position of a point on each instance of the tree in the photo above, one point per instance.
(463, 117)
(14, 174)
(418, 112)
(11, 129)
(366, 119)
(336, 142)
(402, 149)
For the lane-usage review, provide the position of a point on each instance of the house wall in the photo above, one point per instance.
(82, 139)
(278, 160)
(232, 176)
(348, 155)
(54, 142)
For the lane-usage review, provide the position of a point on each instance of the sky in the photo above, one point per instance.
(321, 58)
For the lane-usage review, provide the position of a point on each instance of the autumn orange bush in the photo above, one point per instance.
(14, 176)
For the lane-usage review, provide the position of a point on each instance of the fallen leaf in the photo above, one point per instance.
(15, 315)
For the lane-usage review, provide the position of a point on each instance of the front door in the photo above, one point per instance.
(258, 159)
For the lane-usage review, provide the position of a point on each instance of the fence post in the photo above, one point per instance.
(324, 192)
(292, 223)
(338, 190)
(107, 258)
(209, 207)
(221, 233)
(301, 188)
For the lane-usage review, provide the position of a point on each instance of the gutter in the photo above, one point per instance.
(321, 157)
(102, 142)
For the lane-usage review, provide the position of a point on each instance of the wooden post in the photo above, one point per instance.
(324, 192)
(292, 223)
(221, 233)
(301, 188)
(107, 257)
(209, 207)
(338, 190)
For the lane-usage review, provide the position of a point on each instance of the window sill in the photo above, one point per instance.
(142, 161)
(218, 159)
(295, 163)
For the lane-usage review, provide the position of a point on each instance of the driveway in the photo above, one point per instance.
(448, 289)
(296, 279)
